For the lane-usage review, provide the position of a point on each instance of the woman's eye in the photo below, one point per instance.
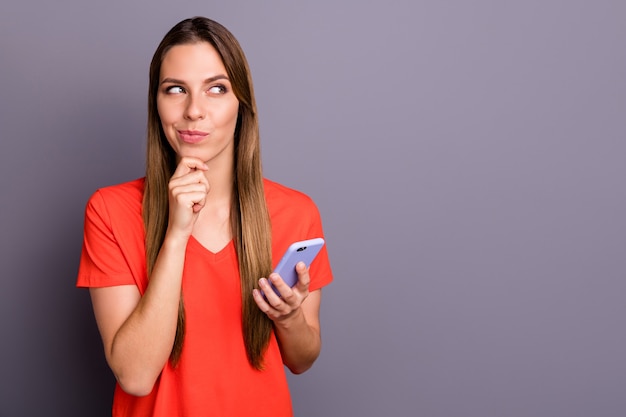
(174, 90)
(217, 89)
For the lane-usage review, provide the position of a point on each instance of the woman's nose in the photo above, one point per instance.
(195, 109)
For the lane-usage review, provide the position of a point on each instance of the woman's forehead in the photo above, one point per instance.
(196, 60)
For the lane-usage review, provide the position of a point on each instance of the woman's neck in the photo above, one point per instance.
(212, 228)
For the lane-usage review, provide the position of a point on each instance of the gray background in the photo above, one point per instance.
(467, 158)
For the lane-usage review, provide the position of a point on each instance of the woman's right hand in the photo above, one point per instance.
(188, 189)
(137, 330)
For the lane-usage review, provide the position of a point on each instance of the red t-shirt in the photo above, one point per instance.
(213, 377)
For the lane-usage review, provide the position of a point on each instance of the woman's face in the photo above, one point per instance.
(196, 104)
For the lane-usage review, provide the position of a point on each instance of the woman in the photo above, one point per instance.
(175, 262)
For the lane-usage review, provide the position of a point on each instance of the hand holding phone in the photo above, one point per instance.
(302, 251)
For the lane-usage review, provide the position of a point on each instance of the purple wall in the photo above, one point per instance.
(468, 159)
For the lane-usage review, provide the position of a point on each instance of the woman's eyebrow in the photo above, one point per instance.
(207, 81)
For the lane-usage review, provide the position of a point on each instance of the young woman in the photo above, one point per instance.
(175, 261)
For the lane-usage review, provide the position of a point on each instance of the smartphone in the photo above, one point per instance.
(303, 251)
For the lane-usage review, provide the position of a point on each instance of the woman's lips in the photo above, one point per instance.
(192, 136)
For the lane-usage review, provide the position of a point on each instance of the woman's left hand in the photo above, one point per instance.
(283, 307)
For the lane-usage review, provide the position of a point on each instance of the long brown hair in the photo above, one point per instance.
(249, 218)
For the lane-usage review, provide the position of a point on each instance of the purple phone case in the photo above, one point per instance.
(303, 251)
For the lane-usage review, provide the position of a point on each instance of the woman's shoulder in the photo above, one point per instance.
(122, 193)
(132, 188)
(292, 212)
(279, 195)
(122, 199)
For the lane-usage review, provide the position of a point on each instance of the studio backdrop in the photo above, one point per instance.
(467, 158)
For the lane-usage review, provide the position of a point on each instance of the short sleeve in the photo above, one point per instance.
(102, 261)
(320, 271)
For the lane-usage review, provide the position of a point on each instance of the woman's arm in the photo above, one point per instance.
(138, 331)
(296, 318)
